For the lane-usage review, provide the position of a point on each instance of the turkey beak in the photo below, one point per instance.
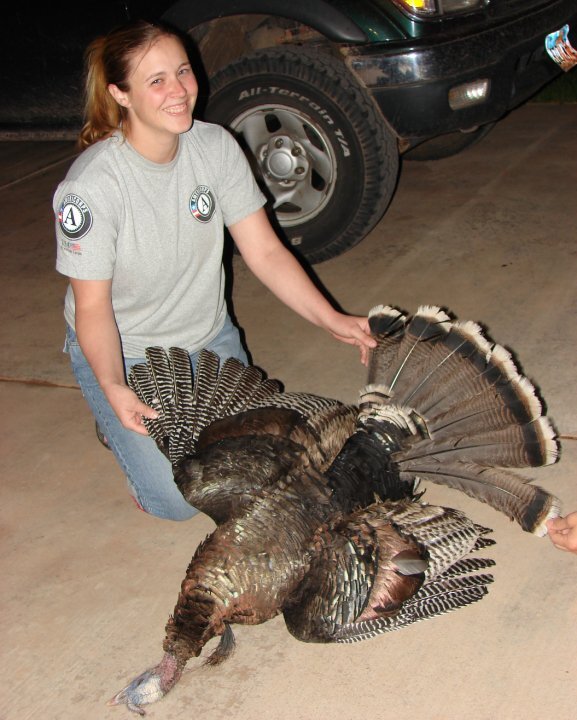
(121, 699)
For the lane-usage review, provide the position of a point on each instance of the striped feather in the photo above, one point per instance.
(187, 405)
(140, 380)
(446, 593)
(163, 380)
(528, 504)
(359, 582)
(466, 409)
(415, 351)
(205, 382)
(387, 325)
(529, 445)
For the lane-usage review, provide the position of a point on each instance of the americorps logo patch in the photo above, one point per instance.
(202, 204)
(75, 217)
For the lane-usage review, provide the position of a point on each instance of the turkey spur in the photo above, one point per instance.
(315, 502)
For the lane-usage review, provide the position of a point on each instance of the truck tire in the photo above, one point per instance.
(321, 152)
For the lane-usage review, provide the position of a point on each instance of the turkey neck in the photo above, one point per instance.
(364, 468)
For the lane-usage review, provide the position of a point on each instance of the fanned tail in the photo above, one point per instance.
(466, 407)
(404, 347)
(188, 405)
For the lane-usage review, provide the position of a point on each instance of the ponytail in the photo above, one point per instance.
(108, 61)
(102, 114)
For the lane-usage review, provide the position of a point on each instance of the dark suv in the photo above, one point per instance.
(326, 97)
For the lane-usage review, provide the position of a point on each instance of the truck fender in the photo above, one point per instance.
(318, 14)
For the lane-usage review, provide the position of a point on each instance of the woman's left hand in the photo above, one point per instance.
(282, 274)
(353, 330)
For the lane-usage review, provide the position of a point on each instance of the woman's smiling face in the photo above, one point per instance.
(162, 93)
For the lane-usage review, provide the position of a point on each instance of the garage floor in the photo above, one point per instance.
(88, 581)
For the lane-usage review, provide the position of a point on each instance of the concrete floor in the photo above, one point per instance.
(88, 581)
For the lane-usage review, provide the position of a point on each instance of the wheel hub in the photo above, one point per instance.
(284, 159)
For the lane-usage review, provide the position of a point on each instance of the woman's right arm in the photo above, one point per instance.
(100, 342)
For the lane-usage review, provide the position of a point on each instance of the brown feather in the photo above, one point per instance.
(527, 504)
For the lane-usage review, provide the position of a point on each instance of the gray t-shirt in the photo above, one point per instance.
(157, 232)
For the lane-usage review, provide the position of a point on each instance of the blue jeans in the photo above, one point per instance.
(147, 470)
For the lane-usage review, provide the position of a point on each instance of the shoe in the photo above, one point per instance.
(100, 435)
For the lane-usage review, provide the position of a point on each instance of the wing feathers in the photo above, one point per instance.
(186, 405)
(444, 596)
(367, 570)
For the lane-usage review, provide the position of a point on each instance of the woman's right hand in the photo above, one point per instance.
(99, 339)
(128, 408)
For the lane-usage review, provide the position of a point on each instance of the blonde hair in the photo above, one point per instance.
(108, 60)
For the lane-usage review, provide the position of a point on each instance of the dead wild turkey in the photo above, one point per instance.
(316, 502)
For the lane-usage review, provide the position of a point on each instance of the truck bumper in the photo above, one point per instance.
(412, 88)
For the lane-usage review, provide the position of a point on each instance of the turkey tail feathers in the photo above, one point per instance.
(529, 445)
(387, 325)
(527, 504)
(467, 407)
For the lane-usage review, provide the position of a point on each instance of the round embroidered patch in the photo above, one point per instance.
(75, 217)
(202, 204)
